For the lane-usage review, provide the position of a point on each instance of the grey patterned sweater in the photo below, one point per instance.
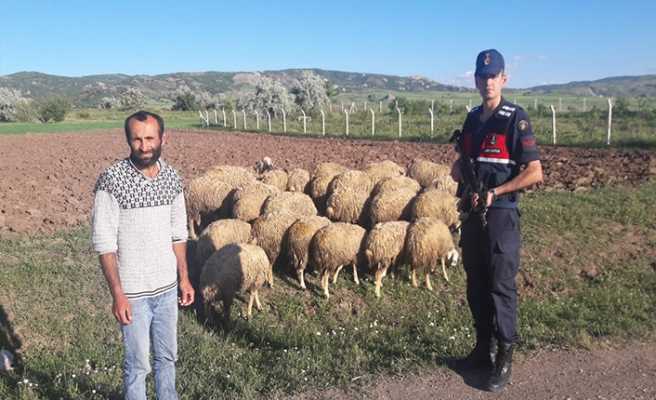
(139, 218)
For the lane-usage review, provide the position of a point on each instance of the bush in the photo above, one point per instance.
(185, 102)
(84, 115)
(414, 107)
(52, 109)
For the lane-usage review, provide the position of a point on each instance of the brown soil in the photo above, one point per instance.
(47, 180)
(618, 374)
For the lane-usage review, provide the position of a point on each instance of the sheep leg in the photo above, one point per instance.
(324, 283)
(249, 311)
(270, 277)
(227, 304)
(355, 274)
(428, 282)
(258, 305)
(379, 281)
(301, 278)
(337, 273)
(446, 277)
(413, 277)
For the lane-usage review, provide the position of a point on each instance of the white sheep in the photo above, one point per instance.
(396, 183)
(218, 234)
(428, 242)
(296, 203)
(233, 269)
(383, 248)
(247, 202)
(348, 195)
(425, 172)
(321, 177)
(298, 180)
(275, 177)
(334, 246)
(391, 205)
(436, 203)
(207, 200)
(268, 232)
(384, 169)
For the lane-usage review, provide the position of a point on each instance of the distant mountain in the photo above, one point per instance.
(620, 86)
(90, 90)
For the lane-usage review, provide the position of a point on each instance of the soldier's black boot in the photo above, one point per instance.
(482, 356)
(502, 368)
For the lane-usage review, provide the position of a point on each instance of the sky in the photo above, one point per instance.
(542, 42)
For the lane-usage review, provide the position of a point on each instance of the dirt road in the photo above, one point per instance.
(626, 373)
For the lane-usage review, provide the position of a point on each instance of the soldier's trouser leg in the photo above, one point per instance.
(504, 245)
(475, 258)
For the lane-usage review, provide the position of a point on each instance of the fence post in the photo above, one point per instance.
(560, 104)
(323, 122)
(284, 120)
(234, 119)
(535, 104)
(610, 119)
(469, 108)
(216, 117)
(373, 122)
(398, 110)
(347, 121)
(380, 106)
(365, 106)
(304, 121)
(268, 119)
(553, 123)
(207, 118)
(430, 110)
(224, 118)
(244, 113)
(330, 107)
(202, 120)
(257, 120)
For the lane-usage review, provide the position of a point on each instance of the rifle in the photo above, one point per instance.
(470, 183)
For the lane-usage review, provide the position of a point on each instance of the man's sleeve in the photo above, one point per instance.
(526, 148)
(179, 219)
(104, 222)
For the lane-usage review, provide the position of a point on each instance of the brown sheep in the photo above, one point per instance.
(247, 202)
(292, 202)
(436, 203)
(297, 242)
(334, 246)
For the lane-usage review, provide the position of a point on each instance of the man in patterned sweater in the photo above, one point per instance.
(140, 233)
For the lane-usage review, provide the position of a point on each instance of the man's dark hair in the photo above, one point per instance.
(142, 116)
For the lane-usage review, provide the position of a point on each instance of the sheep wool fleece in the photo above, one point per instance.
(139, 218)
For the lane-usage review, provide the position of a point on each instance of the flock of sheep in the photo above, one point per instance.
(376, 218)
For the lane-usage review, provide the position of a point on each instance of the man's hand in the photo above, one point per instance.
(121, 309)
(186, 293)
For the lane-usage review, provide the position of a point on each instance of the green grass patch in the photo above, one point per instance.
(587, 274)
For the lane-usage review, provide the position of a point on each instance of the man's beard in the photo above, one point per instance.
(141, 163)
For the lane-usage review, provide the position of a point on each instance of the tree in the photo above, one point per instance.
(9, 101)
(269, 95)
(131, 99)
(310, 92)
(52, 109)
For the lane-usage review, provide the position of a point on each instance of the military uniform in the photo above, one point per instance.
(499, 146)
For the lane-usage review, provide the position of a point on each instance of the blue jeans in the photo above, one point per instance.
(154, 325)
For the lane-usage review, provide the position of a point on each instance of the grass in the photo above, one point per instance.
(55, 309)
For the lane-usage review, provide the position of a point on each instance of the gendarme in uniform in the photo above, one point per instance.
(500, 144)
